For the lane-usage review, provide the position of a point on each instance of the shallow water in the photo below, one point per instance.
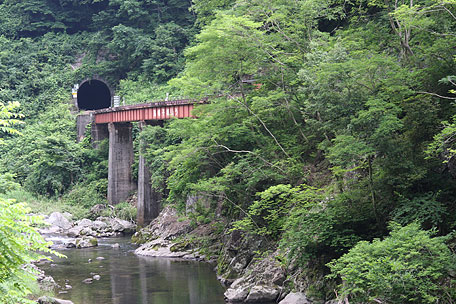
(129, 279)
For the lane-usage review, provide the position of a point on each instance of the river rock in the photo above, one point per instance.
(50, 300)
(100, 258)
(84, 223)
(160, 248)
(68, 216)
(74, 231)
(82, 227)
(50, 230)
(123, 226)
(59, 220)
(168, 225)
(88, 281)
(260, 294)
(86, 242)
(233, 295)
(96, 277)
(115, 246)
(48, 283)
(99, 225)
(295, 298)
(240, 261)
(87, 231)
(70, 243)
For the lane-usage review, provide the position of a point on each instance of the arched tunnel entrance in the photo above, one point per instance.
(94, 95)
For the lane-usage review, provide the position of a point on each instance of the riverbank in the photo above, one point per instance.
(109, 271)
(124, 278)
(249, 267)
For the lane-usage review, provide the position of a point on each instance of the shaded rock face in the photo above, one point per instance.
(258, 282)
(249, 278)
(166, 226)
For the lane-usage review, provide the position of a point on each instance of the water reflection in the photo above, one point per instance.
(128, 279)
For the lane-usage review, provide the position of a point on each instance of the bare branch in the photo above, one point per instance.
(437, 95)
(249, 152)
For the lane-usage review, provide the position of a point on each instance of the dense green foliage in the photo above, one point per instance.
(19, 245)
(406, 267)
(327, 119)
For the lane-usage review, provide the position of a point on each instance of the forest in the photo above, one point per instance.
(330, 131)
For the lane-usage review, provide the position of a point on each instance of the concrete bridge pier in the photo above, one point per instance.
(99, 132)
(120, 181)
(149, 200)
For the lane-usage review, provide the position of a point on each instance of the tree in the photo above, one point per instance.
(20, 244)
(8, 119)
(409, 266)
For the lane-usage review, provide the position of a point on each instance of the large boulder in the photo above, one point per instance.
(295, 298)
(87, 231)
(50, 300)
(168, 225)
(50, 230)
(259, 294)
(99, 226)
(59, 220)
(74, 231)
(86, 242)
(84, 223)
(122, 226)
(236, 295)
(162, 248)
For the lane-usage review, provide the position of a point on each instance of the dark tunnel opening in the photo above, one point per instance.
(94, 95)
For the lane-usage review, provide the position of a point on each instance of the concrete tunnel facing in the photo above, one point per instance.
(93, 95)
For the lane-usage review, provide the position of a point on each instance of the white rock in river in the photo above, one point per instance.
(295, 298)
(84, 223)
(99, 225)
(261, 293)
(50, 300)
(59, 220)
(236, 294)
(86, 242)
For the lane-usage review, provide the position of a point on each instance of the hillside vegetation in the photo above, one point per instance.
(330, 123)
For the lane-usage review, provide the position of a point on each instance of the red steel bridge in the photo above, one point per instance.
(115, 124)
(146, 111)
(95, 98)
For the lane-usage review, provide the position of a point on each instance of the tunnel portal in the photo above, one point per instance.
(94, 95)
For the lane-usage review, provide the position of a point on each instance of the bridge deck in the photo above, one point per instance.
(147, 111)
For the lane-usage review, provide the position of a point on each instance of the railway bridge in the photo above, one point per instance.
(112, 121)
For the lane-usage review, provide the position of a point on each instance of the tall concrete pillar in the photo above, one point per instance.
(120, 181)
(149, 200)
(99, 132)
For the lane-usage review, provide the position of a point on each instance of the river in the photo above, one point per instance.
(129, 279)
